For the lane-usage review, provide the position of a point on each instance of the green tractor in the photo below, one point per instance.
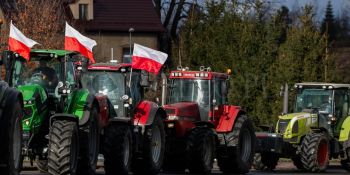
(317, 131)
(11, 113)
(61, 119)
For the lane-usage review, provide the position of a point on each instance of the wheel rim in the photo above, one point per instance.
(322, 153)
(126, 150)
(245, 145)
(16, 145)
(156, 144)
(92, 142)
(74, 152)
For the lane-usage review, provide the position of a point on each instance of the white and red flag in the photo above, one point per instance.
(148, 59)
(19, 43)
(75, 41)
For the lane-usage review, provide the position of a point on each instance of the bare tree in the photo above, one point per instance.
(174, 14)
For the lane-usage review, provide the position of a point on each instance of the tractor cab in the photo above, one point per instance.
(112, 80)
(326, 103)
(196, 93)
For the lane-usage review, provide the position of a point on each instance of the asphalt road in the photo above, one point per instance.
(284, 168)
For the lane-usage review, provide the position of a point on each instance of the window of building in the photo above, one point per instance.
(126, 55)
(83, 11)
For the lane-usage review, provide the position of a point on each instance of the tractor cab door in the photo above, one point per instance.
(341, 108)
(219, 97)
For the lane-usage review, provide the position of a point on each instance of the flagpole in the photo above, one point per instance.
(130, 54)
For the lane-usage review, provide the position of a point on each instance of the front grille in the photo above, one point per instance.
(282, 125)
(28, 112)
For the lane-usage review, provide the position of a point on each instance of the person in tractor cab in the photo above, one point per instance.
(325, 106)
(105, 85)
(45, 75)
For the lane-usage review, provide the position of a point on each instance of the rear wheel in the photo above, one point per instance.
(89, 144)
(117, 149)
(12, 139)
(200, 150)
(63, 148)
(315, 152)
(154, 147)
(240, 148)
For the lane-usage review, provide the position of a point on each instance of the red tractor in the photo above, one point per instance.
(134, 135)
(201, 125)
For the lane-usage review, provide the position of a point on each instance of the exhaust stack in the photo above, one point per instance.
(285, 99)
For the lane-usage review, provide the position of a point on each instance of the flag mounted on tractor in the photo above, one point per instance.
(148, 59)
(75, 41)
(19, 43)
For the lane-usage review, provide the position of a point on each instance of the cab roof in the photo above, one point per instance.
(109, 66)
(59, 53)
(205, 75)
(320, 84)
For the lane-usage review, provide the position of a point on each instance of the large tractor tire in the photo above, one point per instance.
(265, 161)
(117, 149)
(200, 150)
(346, 162)
(240, 149)
(315, 152)
(11, 148)
(153, 149)
(63, 148)
(89, 141)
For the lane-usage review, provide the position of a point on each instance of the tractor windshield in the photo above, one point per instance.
(319, 99)
(44, 72)
(190, 90)
(111, 84)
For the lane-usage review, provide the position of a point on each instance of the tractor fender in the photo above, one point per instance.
(90, 102)
(104, 106)
(228, 118)
(145, 113)
(345, 130)
(61, 116)
(82, 103)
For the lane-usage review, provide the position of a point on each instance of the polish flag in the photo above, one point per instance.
(19, 43)
(75, 41)
(148, 59)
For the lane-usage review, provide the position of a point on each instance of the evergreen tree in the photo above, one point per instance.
(328, 25)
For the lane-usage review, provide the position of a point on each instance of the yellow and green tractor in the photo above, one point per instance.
(315, 132)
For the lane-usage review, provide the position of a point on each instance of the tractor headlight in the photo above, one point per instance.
(173, 117)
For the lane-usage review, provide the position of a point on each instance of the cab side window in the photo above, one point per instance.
(341, 100)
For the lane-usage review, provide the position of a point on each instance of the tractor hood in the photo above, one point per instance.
(31, 92)
(182, 109)
(34, 97)
(292, 115)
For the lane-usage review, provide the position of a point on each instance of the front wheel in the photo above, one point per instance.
(63, 148)
(315, 152)
(11, 154)
(240, 148)
(41, 165)
(154, 147)
(89, 144)
(117, 149)
(200, 150)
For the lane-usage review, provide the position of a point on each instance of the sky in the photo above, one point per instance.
(338, 5)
